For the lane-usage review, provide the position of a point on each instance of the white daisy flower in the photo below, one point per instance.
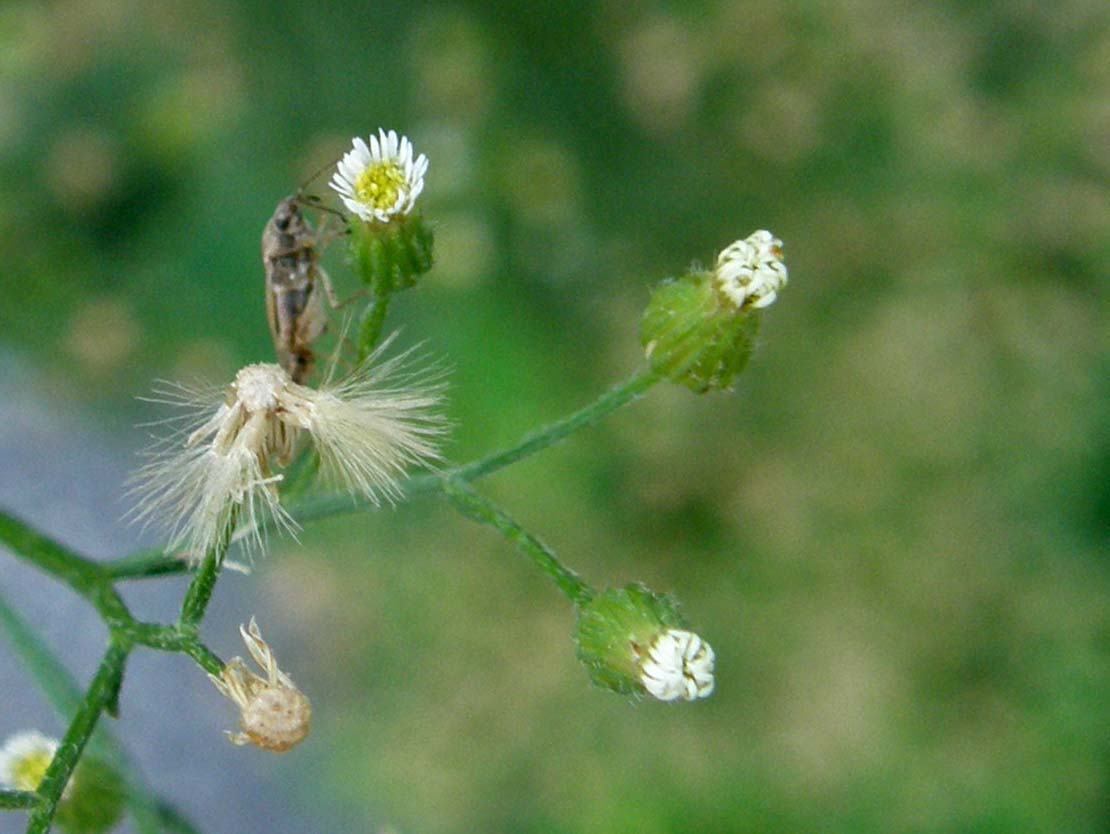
(380, 180)
(751, 272)
(679, 664)
(24, 759)
(273, 713)
(367, 429)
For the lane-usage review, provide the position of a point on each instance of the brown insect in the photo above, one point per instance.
(294, 279)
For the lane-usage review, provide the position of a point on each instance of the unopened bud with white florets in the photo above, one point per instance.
(699, 330)
(634, 641)
(273, 714)
(92, 802)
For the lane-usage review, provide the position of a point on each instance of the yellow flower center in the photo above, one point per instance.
(29, 770)
(380, 185)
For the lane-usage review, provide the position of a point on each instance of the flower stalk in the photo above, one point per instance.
(200, 590)
(481, 509)
(615, 398)
(102, 691)
(66, 697)
(18, 799)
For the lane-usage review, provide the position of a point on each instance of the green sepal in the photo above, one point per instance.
(391, 256)
(616, 628)
(693, 336)
(95, 800)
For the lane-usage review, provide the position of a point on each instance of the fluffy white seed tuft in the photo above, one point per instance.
(368, 428)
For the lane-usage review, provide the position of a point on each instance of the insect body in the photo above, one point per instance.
(294, 305)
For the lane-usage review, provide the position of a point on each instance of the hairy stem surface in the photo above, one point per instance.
(481, 509)
(14, 800)
(200, 589)
(102, 691)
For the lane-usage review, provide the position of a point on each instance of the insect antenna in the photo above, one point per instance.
(318, 204)
(317, 173)
(314, 200)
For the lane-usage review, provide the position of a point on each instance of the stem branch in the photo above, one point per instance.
(146, 564)
(83, 575)
(49, 556)
(18, 799)
(372, 322)
(481, 509)
(200, 589)
(622, 394)
(176, 639)
(102, 691)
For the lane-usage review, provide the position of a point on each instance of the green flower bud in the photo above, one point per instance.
(700, 330)
(94, 799)
(693, 337)
(633, 642)
(391, 256)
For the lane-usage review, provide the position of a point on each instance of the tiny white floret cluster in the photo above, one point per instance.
(382, 179)
(751, 272)
(679, 664)
(24, 759)
(367, 429)
(273, 714)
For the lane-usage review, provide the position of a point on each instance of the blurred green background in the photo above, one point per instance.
(893, 532)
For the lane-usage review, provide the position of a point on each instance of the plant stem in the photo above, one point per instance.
(47, 555)
(481, 509)
(326, 506)
(372, 322)
(146, 564)
(83, 575)
(622, 394)
(174, 639)
(102, 691)
(18, 799)
(200, 589)
(65, 696)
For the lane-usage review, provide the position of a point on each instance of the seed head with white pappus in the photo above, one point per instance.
(273, 714)
(368, 428)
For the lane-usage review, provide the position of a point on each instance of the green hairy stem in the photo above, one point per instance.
(18, 799)
(480, 509)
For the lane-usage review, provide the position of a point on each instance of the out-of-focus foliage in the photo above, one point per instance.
(893, 533)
